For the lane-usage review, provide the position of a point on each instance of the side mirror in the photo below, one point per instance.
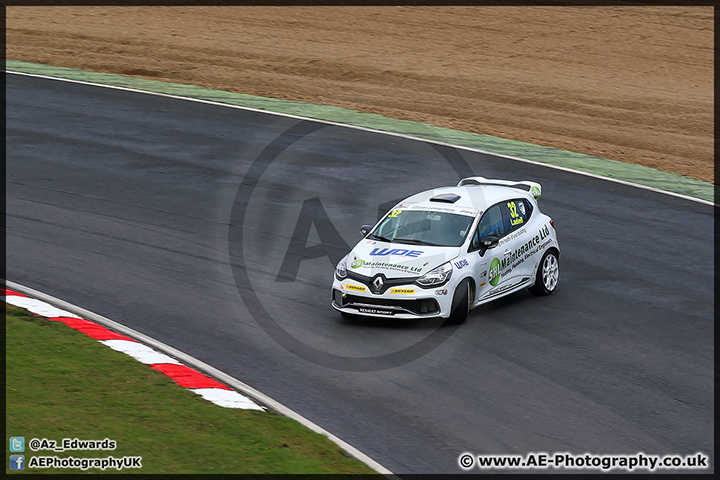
(365, 229)
(486, 243)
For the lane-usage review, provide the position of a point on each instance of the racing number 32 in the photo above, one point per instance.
(515, 219)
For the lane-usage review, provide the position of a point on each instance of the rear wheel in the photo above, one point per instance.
(548, 274)
(460, 303)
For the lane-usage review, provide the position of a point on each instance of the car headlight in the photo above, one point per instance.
(341, 268)
(436, 277)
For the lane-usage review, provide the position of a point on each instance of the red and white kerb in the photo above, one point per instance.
(187, 377)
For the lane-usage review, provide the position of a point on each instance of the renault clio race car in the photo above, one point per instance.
(442, 252)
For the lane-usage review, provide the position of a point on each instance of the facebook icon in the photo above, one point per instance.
(17, 462)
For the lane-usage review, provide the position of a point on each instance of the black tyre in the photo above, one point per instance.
(460, 303)
(548, 274)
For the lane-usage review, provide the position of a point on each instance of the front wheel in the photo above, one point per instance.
(548, 274)
(461, 303)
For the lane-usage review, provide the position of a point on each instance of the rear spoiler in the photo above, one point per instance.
(532, 187)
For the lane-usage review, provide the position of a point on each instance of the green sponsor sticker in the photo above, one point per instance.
(357, 263)
(494, 272)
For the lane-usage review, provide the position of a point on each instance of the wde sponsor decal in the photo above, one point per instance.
(461, 264)
(401, 252)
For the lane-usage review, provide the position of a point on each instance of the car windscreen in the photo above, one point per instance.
(422, 227)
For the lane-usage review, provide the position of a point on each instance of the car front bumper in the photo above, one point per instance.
(402, 302)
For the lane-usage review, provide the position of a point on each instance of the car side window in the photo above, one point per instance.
(491, 223)
(515, 213)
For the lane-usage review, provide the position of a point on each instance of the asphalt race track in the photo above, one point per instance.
(215, 230)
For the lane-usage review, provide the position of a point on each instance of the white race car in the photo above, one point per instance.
(442, 252)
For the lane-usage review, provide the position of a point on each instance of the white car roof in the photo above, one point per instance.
(468, 199)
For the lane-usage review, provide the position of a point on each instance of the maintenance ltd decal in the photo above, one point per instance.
(500, 268)
(386, 265)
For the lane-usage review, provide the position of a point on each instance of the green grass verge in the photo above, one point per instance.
(60, 384)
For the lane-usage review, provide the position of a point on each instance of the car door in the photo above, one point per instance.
(491, 223)
(524, 226)
(517, 244)
(504, 266)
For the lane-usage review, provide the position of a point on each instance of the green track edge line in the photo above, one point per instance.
(627, 172)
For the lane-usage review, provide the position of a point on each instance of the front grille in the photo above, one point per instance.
(425, 306)
(387, 282)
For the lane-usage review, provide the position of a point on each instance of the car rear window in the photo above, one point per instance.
(516, 213)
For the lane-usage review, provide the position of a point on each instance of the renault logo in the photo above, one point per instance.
(378, 283)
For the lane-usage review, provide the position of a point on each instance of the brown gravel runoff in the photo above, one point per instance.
(631, 83)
